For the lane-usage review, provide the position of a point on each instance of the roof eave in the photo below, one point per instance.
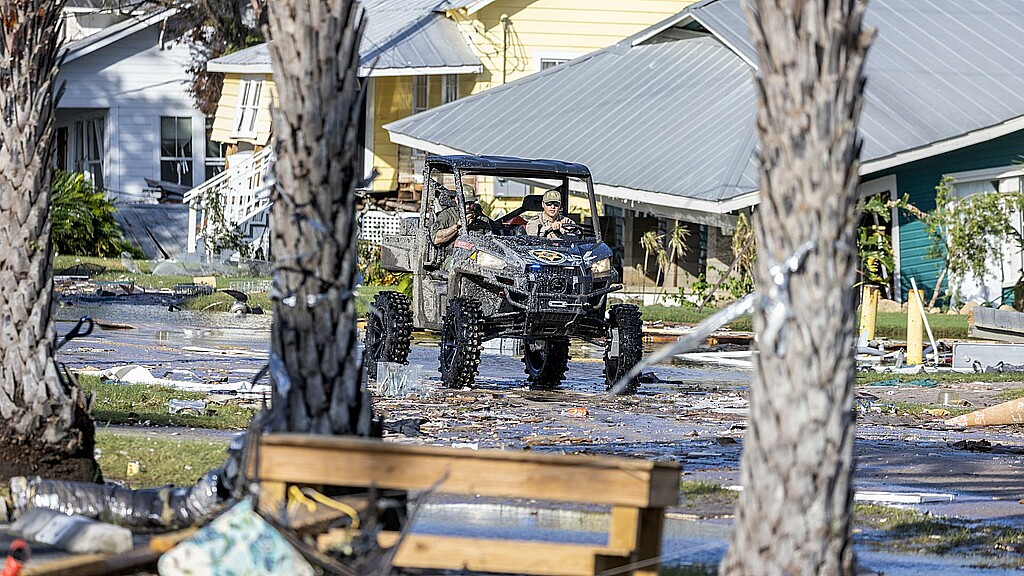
(239, 68)
(104, 41)
(478, 6)
(620, 193)
(366, 71)
(942, 146)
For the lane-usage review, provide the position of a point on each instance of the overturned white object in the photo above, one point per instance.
(76, 534)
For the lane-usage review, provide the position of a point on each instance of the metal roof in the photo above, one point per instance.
(674, 114)
(672, 117)
(507, 165)
(399, 35)
(937, 69)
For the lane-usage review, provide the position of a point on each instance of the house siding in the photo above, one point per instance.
(553, 28)
(132, 83)
(918, 180)
(224, 120)
(393, 100)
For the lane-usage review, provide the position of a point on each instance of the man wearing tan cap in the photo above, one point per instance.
(447, 224)
(550, 223)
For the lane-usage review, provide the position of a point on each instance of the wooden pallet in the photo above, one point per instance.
(637, 491)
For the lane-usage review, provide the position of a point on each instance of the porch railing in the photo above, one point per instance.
(242, 200)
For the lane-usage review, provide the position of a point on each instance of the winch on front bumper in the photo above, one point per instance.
(560, 300)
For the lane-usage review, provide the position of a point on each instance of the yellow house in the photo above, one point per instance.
(420, 54)
(429, 52)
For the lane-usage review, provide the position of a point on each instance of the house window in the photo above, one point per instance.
(176, 150)
(89, 149)
(449, 88)
(250, 92)
(546, 63)
(215, 152)
(420, 93)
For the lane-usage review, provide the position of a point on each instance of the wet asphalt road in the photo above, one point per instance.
(695, 414)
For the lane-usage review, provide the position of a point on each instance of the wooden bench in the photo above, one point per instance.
(637, 491)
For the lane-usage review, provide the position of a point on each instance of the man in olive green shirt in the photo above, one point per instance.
(447, 223)
(550, 223)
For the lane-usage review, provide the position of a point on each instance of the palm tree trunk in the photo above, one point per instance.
(314, 369)
(46, 429)
(793, 516)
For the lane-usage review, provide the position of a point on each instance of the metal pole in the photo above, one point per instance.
(915, 328)
(868, 311)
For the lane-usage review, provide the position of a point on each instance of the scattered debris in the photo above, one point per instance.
(900, 497)
(76, 534)
(165, 507)
(986, 356)
(1010, 412)
(239, 541)
(577, 412)
(394, 379)
(195, 407)
(889, 497)
(740, 359)
(406, 426)
(986, 447)
(18, 554)
(923, 383)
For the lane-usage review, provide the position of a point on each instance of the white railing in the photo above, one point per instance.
(242, 198)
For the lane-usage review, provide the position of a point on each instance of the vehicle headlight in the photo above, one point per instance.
(486, 260)
(601, 267)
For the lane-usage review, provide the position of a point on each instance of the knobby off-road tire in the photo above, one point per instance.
(388, 331)
(546, 362)
(461, 340)
(626, 319)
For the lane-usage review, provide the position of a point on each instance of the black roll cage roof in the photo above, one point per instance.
(507, 166)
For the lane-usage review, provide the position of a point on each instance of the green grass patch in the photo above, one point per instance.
(116, 272)
(365, 295)
(892, 325)
(161, 460)
(1011, 394)
(940, 378)
(134, 404)
(689, 315)
(910, 530)
(691, 488)
(221, 302)
(919, 409)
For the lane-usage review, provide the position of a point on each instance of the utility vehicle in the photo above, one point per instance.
(495, 281)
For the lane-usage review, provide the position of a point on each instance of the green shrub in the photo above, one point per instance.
(83, 219)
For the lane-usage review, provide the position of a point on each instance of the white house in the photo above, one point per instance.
(125, 117)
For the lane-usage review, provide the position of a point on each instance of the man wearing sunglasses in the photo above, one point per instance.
(550, 223)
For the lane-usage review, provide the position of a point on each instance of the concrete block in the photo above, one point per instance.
(75, 534)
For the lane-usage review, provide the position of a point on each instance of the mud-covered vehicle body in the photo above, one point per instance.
(495, 281)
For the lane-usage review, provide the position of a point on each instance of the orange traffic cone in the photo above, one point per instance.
(17, 555)
(1011, 412)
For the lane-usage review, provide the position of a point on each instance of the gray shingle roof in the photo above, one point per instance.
(399, 34)
(675, 114)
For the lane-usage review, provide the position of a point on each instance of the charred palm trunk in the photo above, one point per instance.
(793, 516)
(316, 377)
(45, 429)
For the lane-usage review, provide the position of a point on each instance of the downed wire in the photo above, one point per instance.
(691, 340)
